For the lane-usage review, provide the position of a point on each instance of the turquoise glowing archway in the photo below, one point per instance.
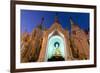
(51, 48)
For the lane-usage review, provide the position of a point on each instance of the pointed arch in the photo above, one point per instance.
(55, 36)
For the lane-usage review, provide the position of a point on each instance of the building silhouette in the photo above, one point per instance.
(55, 43)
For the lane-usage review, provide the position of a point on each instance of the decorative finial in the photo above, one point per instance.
(71, 21)
(56, 18)
(41, 23)
(42, 20)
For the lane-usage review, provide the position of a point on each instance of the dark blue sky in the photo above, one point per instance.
(31, 18)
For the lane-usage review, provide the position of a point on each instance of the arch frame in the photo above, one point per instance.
(65, 42)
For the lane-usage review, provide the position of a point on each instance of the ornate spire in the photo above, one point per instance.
(42, 20)
(71, 22)
(41, 23)
(56, 19)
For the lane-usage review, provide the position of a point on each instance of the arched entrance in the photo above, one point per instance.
(55, 49)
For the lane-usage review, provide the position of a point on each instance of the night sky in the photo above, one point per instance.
(31, 18)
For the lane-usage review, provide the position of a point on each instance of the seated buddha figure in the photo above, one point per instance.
(57, 49)
(57, 53)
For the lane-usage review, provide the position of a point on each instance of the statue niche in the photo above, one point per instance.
(55, 48)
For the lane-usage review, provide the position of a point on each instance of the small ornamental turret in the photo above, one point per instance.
(40, 26)
(56, 19)
(73, 24)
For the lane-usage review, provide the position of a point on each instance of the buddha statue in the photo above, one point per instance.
(57, 49)
(57, 53)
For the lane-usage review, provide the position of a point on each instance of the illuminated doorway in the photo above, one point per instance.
(55, 48)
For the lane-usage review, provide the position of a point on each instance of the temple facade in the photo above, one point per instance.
(55, 44)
